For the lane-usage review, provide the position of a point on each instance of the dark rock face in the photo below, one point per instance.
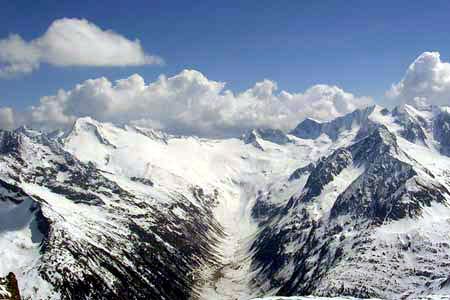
(412, 126)
(9, 142)
(308, 129)
(378, 142)
(150, 259)
(10, 287)
(301, 254)
(325, 171)
(263, 210)
(251, 138)
(272, 135)
(301, 171)
(413, 132)
(14, 193)
(145, 181)
(380, 193)
(295, 273)
(139, 251)
(441, 131)
(311, 129)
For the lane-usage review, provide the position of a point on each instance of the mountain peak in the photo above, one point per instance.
(87, 126)
(312, 129)
(25, 130)
(308, 129)
(86, 120)
(275, 136)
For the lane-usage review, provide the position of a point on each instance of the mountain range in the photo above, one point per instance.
(353, 207)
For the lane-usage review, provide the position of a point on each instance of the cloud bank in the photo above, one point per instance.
(71, 42)
(7, 118)
(190, 103)
(426, 81)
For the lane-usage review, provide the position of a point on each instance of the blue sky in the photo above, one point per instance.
(360, 46)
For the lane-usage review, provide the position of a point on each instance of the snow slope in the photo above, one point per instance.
(238, 171)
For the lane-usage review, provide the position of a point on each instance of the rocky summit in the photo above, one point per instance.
(9, 289)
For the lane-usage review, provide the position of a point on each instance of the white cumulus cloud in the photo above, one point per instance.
(7, 118)
(190, 103)
(71, 42)
(426, 81)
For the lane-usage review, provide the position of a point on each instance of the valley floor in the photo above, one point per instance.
(230, 281)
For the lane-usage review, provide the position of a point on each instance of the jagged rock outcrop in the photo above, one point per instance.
(413, 125)
(100, 239)
(441, 130)
(316, 242)
(272, 135)
(9, 289)
(301, 171)
(312, 129)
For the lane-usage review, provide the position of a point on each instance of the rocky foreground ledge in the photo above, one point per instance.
(9, 290)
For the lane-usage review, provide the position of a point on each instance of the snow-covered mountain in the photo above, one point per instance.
(357, 206)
